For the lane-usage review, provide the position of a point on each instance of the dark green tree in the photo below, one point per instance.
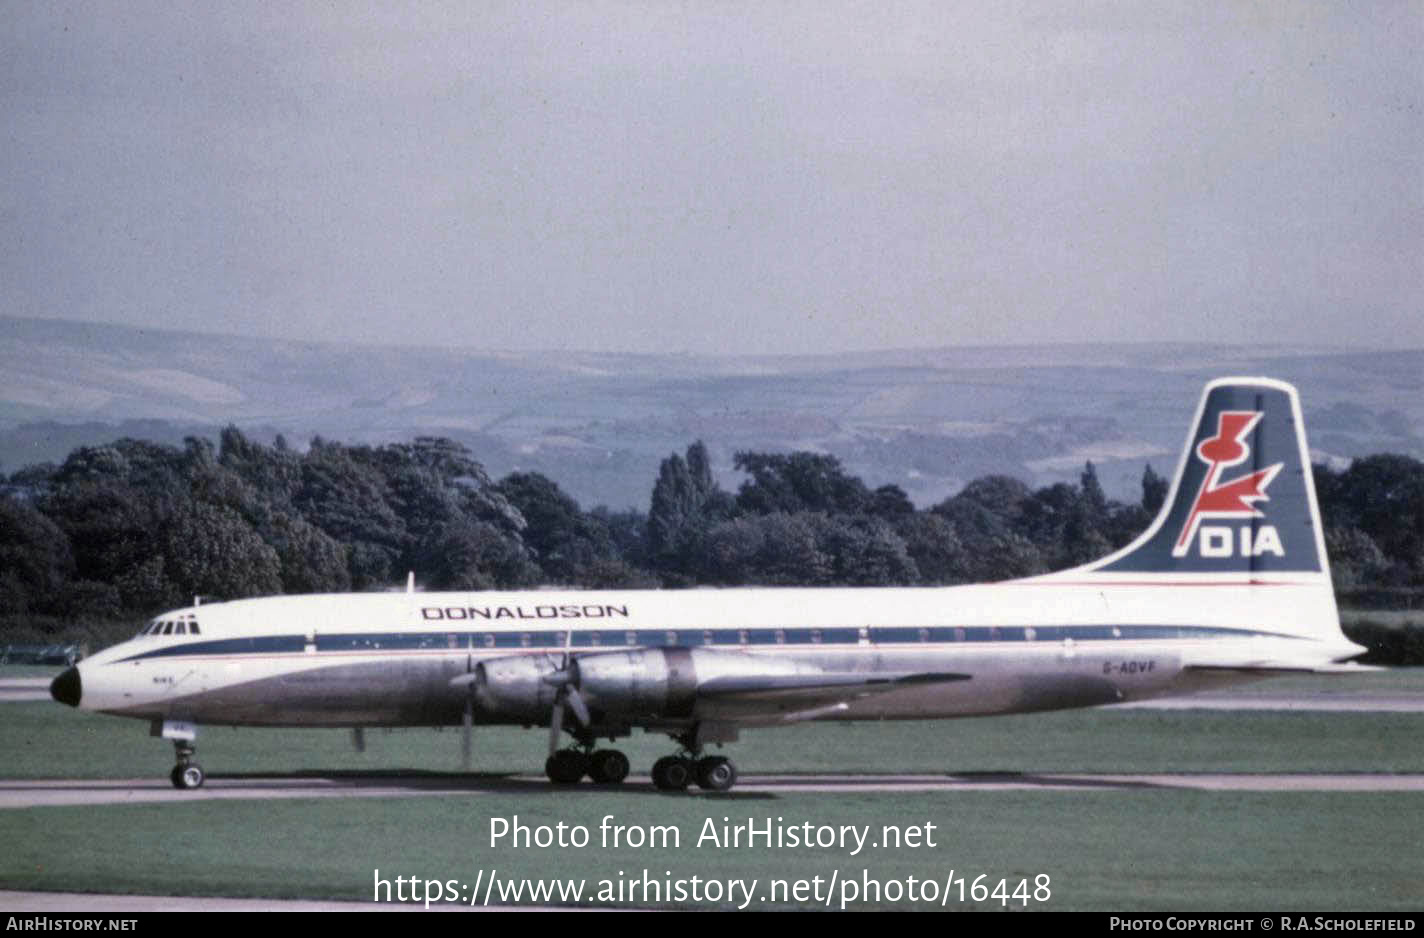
(795, 482)
(211, 551)
(686, 502)
(1154, 491)
(35, 558)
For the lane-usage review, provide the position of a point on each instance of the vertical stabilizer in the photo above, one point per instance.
(1243, 501)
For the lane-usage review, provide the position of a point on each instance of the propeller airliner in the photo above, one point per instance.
(1230, 583)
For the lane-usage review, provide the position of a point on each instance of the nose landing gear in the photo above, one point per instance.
(187, 773)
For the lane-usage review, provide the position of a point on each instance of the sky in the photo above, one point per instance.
(718, 177)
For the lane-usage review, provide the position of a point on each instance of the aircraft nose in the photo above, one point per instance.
(66, 688)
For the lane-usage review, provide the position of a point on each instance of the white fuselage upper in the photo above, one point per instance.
(395, 658)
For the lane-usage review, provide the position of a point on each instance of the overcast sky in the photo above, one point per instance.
(718, 177)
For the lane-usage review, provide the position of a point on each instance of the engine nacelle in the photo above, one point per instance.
(517, 686)
(663, 682)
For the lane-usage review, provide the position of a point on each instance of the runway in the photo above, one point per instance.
(58, 792)
(16, 689)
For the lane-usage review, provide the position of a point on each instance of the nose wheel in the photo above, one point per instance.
(187, 773)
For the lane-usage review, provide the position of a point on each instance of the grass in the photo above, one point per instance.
(1370, 683)
(1131, 850)
(30, 670)
(1392, 618)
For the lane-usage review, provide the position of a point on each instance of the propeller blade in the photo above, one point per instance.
(576, 704)
(556, 726)
(467, 724)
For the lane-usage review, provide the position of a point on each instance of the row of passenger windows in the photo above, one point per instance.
(357, 641)
(736, 637)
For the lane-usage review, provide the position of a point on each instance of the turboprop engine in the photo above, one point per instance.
(523, 687)
(664, 681)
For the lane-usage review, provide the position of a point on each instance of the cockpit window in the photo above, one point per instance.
(187, 625)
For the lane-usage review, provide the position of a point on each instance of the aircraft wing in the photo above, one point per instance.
(796, 697)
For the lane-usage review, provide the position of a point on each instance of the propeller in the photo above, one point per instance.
(565, 678)
(562, 675)
(467, 728)
(467, 682)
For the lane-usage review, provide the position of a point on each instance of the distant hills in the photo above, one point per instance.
(598, 424)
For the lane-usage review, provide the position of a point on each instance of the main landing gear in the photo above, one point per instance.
(671, 773)
(602, 766)
(711, 773)
(568, 766)
(187, 773)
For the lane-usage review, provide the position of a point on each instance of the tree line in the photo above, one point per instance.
(118, 532)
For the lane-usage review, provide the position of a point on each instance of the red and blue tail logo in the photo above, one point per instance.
(1234, 499)
(1243, 500)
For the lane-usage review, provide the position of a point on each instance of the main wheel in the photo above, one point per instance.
(566, 766)
(672, 773)
(716, 773)
(608, 766)
(187, 776)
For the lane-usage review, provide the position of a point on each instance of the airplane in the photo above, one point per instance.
(1230, 583)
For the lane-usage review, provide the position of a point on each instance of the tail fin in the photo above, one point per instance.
(1242, 515)
(1243, 501)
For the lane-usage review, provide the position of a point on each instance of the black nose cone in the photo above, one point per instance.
(65, 688)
